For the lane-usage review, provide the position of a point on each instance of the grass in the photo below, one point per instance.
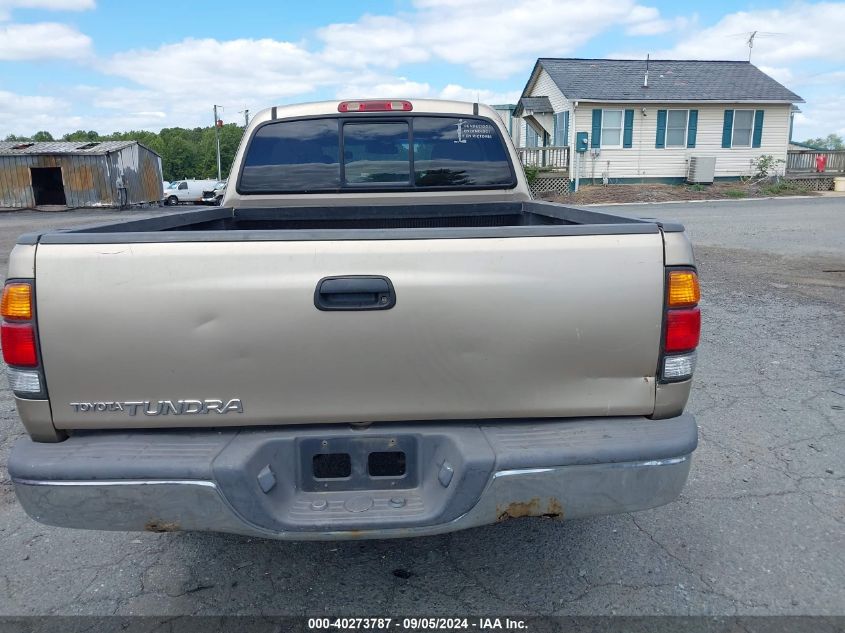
(697, 187)
(783, 187)
(735, 193)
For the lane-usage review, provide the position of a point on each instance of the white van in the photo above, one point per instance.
(187, 191)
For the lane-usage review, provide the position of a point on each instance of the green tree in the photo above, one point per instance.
(185, 153)
(831, 141)
(82, 135)
(14, 138)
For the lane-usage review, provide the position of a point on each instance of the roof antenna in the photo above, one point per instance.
(751, 36)
(751, 43)
(645, 79)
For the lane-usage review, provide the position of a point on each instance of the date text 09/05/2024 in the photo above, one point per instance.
(418, 623)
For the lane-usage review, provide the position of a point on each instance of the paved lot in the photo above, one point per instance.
(758, 530)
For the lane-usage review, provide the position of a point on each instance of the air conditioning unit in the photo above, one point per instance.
(701, 169)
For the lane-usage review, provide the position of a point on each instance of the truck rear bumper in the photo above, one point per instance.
(260, 482)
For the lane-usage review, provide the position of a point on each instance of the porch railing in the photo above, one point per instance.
(807, 161)
(548, 157)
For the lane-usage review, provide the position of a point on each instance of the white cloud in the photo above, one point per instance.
(44, 40)
(13, 105)
(371, 41)
(798, 32)
(494, 38)
(186, 78)
(793, 44)
(264, 67)
(658, 26)
(779, 73)
(820, 119)
(7, 6)
(26, 114)
(482, 95)
(377, 55)
(376, 86)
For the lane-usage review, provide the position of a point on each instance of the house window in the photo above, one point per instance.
(743, 125)
(676, 128)
(561, 129)
(611, 128)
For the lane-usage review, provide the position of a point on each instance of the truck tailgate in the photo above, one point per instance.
(506, 327)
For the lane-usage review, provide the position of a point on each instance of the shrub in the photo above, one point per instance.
(782, 187)
(531, 174)
(765, 164)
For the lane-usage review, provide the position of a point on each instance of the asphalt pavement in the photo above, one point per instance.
(759, 528)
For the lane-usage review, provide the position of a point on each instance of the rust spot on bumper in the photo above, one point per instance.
(161, 526)
(550, 508)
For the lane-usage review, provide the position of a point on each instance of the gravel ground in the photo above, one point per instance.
(758, 529)
(600, 194)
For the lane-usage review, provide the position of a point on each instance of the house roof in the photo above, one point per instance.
(16, 148)
(806, 146)
(535, 104)
(668, 80)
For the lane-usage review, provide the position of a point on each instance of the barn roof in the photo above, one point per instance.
(96, 148)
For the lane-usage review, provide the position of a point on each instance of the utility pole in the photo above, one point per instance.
(217, 135)
(246, 118)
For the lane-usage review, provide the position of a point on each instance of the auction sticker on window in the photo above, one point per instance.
(473, 130)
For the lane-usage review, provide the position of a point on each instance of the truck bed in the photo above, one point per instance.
(433, 221)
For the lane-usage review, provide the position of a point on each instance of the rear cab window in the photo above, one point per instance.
(348, 154)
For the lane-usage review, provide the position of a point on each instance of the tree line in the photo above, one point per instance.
(831, 141)
(185, 153)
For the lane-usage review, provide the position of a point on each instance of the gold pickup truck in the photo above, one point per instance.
(377, 334)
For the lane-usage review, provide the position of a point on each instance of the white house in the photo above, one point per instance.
(644, 121)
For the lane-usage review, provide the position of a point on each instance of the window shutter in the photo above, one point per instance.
(660, 141)
(531, 139)
(727, 128)
(757, 138)
(554, 129)
(628, 129)
(565, 128)
(692, 128)
(595, 136)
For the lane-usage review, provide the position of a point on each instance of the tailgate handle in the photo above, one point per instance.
(355, 292)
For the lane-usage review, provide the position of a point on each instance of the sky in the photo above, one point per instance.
(113, 65)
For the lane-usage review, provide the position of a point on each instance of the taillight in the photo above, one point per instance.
(682, 325)
(375, 105)
(683, 329)
(18, 339)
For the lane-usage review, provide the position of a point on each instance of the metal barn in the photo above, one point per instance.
(78, 174)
